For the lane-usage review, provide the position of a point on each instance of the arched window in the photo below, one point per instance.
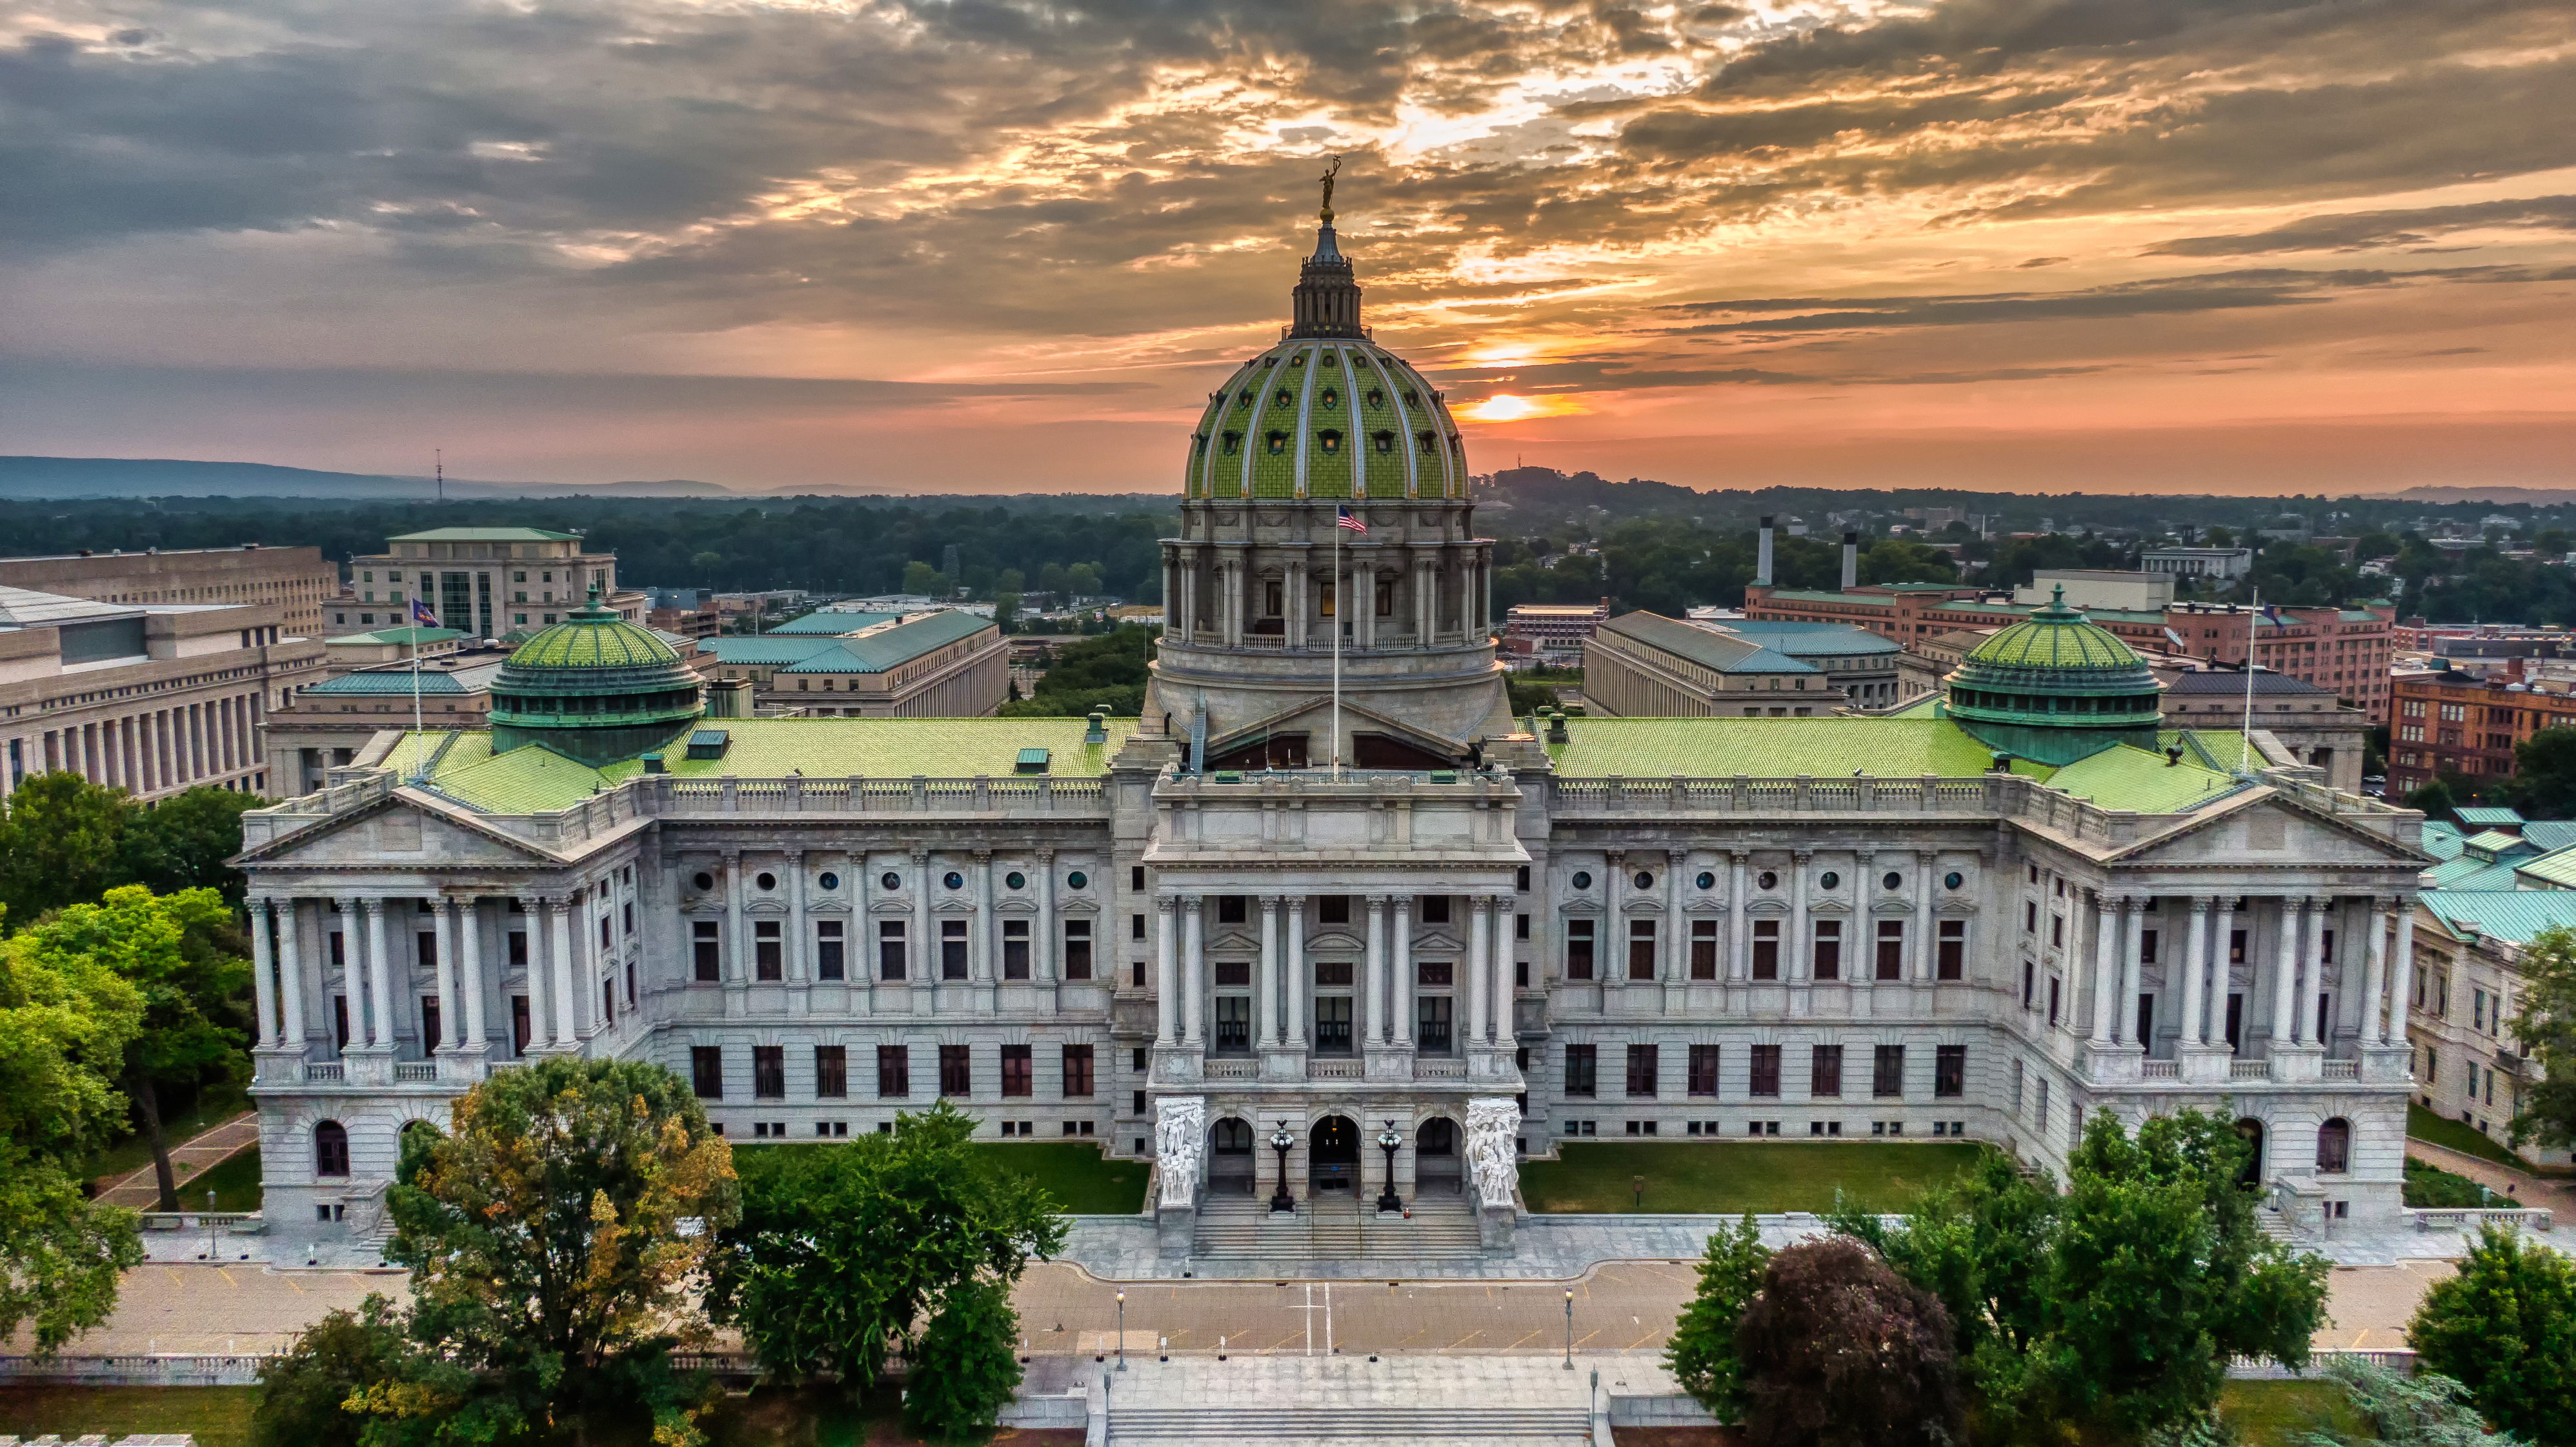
(1438, 1137)
(330, 1149)
(2334, 1147)
(1328, 398)
(1233, 1138)
(1385, 441)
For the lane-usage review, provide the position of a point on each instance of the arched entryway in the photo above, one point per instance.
(1231, 1163)
(2250, 1131)
(1436, 1162)
(1333, 1154)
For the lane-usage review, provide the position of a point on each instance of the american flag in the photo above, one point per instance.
(1342, 518)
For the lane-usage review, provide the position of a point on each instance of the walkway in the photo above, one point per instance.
(2525, 1188)
(188, 1159)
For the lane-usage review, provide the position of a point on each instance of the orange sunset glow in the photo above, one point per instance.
(2169, 245)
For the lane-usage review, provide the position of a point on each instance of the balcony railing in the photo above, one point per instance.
(1438, 1068)
(325, 1071)
(1231, 1070)
(408, 1072)
(1336, 1069)
(2160, 1070)
(2249, 1069)
(2340, 1070)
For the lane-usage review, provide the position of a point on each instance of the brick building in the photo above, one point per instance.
(2453, 723)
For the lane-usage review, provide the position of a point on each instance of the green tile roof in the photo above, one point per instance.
(2061, 640)
(397, 635)
(770, 649)
(484, 535)
(2482, 816)
(2545, 833)
(374, 684)
(830, 625)
(892, 647)
(2470, 872)
(2508, 914)
(593, 642)
(1717, 652)
(2442, 839)
(1647, 748)
(2126, 777)
(2555, 870)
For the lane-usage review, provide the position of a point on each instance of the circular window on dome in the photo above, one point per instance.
(1385, 441)
(1285, 398)
(1329, 397)
(1829, 880)
(765, 880)
(1016, 880)
(889, 880)
(1298, 360)
(1376, 397)
(1644, 880)
(704, 881)
(1331, 442)
(953, 880)
(1707, 880)
(1768, 880)
(1954, 879)
(1077, 880)
(1243, 398)
(829, 881)
(1892, 880)
(1582, 879)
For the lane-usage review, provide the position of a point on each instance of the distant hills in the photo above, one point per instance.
(28, 479)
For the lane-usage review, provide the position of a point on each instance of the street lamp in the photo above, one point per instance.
(1280, 1141)
(1122, 1329)
(1387, 1141)
(1569, 1329)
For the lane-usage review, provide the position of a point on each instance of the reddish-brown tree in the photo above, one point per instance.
(1840, 1351)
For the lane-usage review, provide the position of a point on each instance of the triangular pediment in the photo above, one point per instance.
(1314, 716)
(403, 830)
(2267, 827)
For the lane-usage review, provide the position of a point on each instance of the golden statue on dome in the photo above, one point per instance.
(1326, 211)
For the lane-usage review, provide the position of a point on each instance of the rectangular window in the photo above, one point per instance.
(828, 963)
(831, 1071)
(1641, 949)
(1703, 1070)
(1887, 1073)
(1233, 1025)
(706, 1071)
(520, 1022)
(1578, 949)
(1766, 949)
(952, 949)
(1829, 949)
(1825, 1072)
(2146, 947)
(1333, 1021)
(426, 942)
(1434, 972)
(1435, 909)
(1582, 1069)
(768, 957)
(1018, 1075)
(704, 948)
(1766, 1070)
(1642, 1062)
(894, 1072)
(1230, 909)
(1333, 909)
(2052, 999)
(1015, 949)
(2030, 917)
(769, 1072)
(956, 1070)
(431, 1037)
(1949, 1072)
(1332, 972)
(1703, 949)
(2057, 931)
(890, 949)
(1891, 949)
(1077, 1071)
(1951, 952)
(1431, 1024)
(1077, 949)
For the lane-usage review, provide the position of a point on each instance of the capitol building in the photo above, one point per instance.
(1328, 910)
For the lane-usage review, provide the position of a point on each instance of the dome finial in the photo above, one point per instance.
(1325, 212)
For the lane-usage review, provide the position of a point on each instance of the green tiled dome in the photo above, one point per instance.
(2056, 688)
(593, 637)
(2055, 636)
(594, 687)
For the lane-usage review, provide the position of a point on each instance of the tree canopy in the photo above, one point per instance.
(2505, 1328)
(65, 840)
(1105, 671)
(1701, 1351)
(2546, 1030)
(1840, 1351)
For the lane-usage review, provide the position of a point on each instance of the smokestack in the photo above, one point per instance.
(1851, 561)
(1762, 559)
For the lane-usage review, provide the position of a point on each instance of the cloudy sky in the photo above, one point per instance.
(2240, 245)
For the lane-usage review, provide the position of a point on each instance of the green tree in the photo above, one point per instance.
(183, 843)
(1106, 671)
(921, 578)
(2546, 1030)
(2543, 785)
(840, 1249)
(1983, 1245)
(1701, 1352)
(965, 1368)
(551, 1270)
(58, 843)
(1839, 1351)
(66, 1019)
(2402, 1409)
(2434, 800)
(2505, 1327)
(304, 1391)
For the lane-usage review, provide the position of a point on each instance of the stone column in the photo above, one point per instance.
(470, 965)
(792, 956)
(1927, 928)
(540, 1014)
(1265, 1000)
(1042, 949)
(2285, 974)
(1373, 1006)
(1479, 958)
(271, 1030)
(559, 929)
(290, 974)
(380, 993)
(2401, 972)
(2195, 963)
(1801, 950)
(1194, 967)
(1295, 623)
(1739, 955)
(443, 930)
(2214, 1028)
(1676, 971)
(980, 944)
(2312, 971)
(921, 969)
(2106, 939)
(2133, 914)
(1362, 583)
(1400, 972)
(1298, 974)
(1167, 981)
(737, 966)
(2374, 971)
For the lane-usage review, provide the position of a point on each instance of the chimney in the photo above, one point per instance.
(1851, 561)
(1762, 558)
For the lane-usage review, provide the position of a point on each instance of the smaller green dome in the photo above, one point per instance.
(593, 636)
(2055, 688)
(594, 687)
(2056, 636)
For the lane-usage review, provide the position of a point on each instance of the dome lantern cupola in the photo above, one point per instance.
(2055, 687)
(594, 687)
(1326, 300)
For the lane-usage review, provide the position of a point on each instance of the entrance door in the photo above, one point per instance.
(1436, 1166)
(1230, 1158)
(2251, 1130)
(1333, 1154)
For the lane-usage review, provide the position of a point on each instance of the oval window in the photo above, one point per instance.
(829, 881)
(1582, 879)
(1954, 879)
(953, 880)
(1893, 880)
(890, 880)
(1768, 880)
(1830, 880)
(1016, 880)
(1076, 880)
(1707, 880)
(765, 880)
(1644, 880)
(704, 881)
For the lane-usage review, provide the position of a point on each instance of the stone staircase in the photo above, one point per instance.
(1420, 1426)
(2270, 1221)
(1334, 1227)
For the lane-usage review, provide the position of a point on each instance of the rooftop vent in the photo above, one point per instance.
(709, 743)
(1032, 761)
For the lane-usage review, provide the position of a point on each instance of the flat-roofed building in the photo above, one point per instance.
(2310, 722)
(1644, 665)
(947, 664)
(298, 582)
(2099, 588)
(326, 726)
(489, 582)
(1553, 632)
(2222, 563)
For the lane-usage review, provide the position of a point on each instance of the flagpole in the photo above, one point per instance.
(1341, 610)
(418, 744)
(2245, 740)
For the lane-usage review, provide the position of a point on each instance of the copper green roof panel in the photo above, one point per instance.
(609, 642)
(1822, 748)
(892, 647)
(2484, 816)
(2503, 913)
(827, 624)
(485, 535)
(384, 684)
(768, 648)
(399, 636)
(2441, 839)
(2126, 777)
(2556, 870)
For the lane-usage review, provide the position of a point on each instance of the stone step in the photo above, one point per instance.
(1372, 1424)
(2272, 1223)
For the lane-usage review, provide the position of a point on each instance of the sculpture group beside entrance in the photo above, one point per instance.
(1180, 1142)
(1493, 1166)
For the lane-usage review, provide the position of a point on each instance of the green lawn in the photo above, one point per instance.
(2264, 1414)
(1082, 1180)
(1730, 1177)
(216, 1416)
(213, 1106)
(234, 1180)
(2460, 1136)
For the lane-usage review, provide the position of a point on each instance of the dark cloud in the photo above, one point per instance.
(2363, 230)
(2222, 291)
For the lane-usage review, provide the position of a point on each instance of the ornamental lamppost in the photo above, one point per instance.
(1122, 1329)
(1569, 1328)
(1387, 1141)
(1280, 1141)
